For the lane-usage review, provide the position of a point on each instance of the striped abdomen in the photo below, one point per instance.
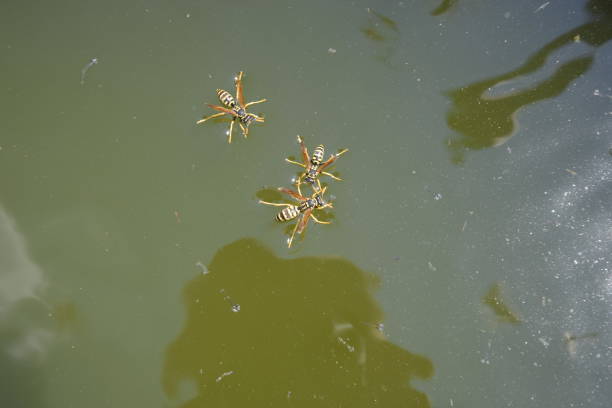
(287, 213)
(226, 98)
(317, 155)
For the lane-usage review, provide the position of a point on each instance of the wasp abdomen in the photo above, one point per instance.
(287, 213)
(317, 155)
(226, 98)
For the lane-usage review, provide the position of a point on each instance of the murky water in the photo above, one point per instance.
(467, 260)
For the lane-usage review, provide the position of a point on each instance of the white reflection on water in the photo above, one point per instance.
(21, 281)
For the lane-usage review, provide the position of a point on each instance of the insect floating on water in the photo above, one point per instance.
(236, 108)
(314, 165)
(305, 207)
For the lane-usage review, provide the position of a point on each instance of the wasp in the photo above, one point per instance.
(236, 108)
(314, 165)
(305, 207)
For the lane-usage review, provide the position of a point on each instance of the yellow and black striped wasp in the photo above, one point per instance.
(314, 165)
(236, 108)
(305, 207)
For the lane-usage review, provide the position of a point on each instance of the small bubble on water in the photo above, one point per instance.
(236, 308)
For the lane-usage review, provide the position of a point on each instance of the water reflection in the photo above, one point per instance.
(307, 334)
(486, 121)
(494, 300)
(24, 339)
(445, 6)
(384, 32)
(571, 341)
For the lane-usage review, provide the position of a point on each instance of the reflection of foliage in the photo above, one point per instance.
(65, 316)
(384, 31)
(486, 122)
(443, 7)
(494, 300)
(305, 336)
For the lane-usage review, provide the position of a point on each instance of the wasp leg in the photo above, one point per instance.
(331, 175)
(319, 221)
(299, 182)
(231, 129)
(275, 204)
(341, 152)
(245, 130)
(254, 102)
(290, 240)
(209, 117)
(294, 162)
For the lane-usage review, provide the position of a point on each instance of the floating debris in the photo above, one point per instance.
(235, 307)
(331, 51)
(219, 378)
(542, 7)
(544, 341)
(597, 92)
(90, 64)
(202, 267)
(572, 172)
(349, 347)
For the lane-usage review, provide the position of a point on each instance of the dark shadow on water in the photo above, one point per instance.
(305, 333)
(486, 122)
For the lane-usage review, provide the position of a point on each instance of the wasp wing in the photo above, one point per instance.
(222, 109)
(239, 91)
(304, 220)
(331, 159)
(304, 151)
